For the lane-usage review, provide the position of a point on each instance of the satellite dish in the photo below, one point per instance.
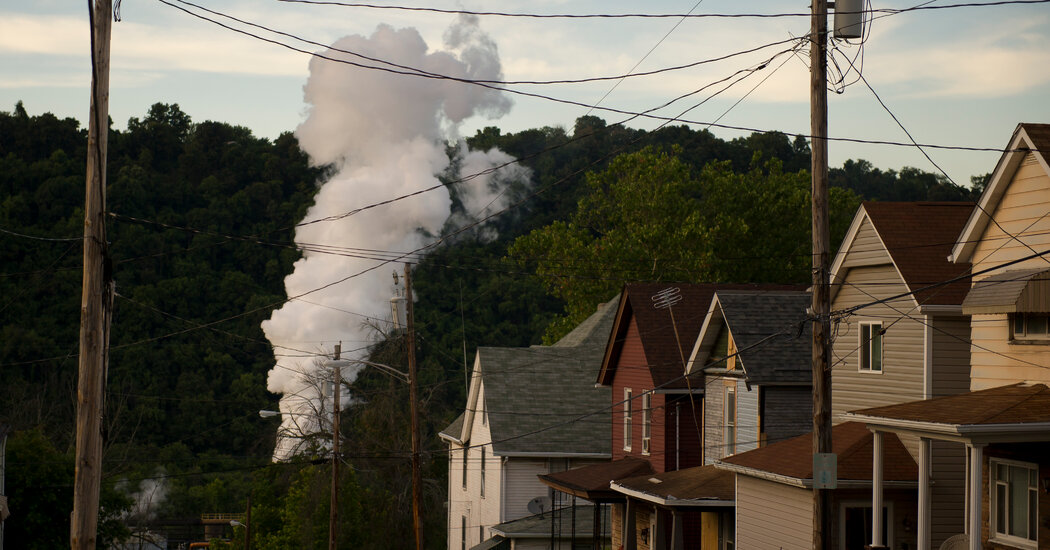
(539, 505)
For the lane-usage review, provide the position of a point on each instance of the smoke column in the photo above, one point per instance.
(385, 134)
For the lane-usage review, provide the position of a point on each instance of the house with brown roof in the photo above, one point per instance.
(899, 334)
(774, 498)
(1002, 422)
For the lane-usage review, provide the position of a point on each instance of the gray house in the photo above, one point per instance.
(754, 351)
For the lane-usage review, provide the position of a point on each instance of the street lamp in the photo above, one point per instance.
(247, 528)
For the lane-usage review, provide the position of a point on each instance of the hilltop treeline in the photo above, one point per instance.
(201, 230)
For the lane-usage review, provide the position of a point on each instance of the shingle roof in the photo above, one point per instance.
(592, 482)
(454, 430)
(1040, 136)
(919, 237)
(656, 330)
(699, 483)
(765, 327)
(851, 441)
(1013, 404)
(534, 398)
(594, 330)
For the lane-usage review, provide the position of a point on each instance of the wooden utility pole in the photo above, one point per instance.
(818, 104)
(333, 515)
(96, 296)
(248, 525)
(417, 474)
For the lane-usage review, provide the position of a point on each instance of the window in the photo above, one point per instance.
(465, 454)
(1031, 326)
(647, 421)
(627, 419)
(1015, 501)
(871, 347)
(463, 532)
(729, 421)
(483, 472)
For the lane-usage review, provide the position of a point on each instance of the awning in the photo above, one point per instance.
(1025, 290)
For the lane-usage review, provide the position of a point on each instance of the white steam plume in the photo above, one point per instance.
(385, 135)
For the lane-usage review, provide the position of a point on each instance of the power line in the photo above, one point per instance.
(690, 15)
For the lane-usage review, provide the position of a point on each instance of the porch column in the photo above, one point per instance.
(676, 531)
(630, 528)
(973, 493)
(876, 492)
(924, 504)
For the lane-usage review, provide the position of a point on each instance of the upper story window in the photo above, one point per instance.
(647, 421)
(729, 421)
(1031, 326)
(627, 404)
(870, 350)
(466, 452)
(1015, 502)
(482, 472)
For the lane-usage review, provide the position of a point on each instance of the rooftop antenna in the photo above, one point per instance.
(666, 299)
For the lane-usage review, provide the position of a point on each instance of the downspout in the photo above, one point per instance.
(677, 435)
(503, 490)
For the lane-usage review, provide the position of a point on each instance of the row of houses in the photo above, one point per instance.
(679, 416)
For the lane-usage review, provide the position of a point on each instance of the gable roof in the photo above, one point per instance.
(533, 396)
(791, 461)
(656, 330)
(1027, 137)
(918, 236)
(769, 328)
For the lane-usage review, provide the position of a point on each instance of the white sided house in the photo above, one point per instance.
(521, 421)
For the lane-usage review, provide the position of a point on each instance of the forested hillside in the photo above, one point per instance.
(201, 228)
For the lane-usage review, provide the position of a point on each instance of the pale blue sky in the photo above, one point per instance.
(963, 76)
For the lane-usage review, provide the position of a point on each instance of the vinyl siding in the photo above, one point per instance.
(950, 373)
(867, 248)
(522, 485)
(948, 493)
(1025, 203)
(714, 392)
(902, 377)
(996, 361)
(746, 417)
(788, 412)
(632, 371)
(467, 501)
(772, 516)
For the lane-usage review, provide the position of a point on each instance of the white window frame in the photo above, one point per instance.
(729, 421)
(647, 421)
(993, 517)
(482, 471)
(865, 348)
(628, 400)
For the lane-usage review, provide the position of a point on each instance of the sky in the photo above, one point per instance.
(962, 76)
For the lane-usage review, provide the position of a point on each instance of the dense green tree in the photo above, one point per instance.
(647, 218)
